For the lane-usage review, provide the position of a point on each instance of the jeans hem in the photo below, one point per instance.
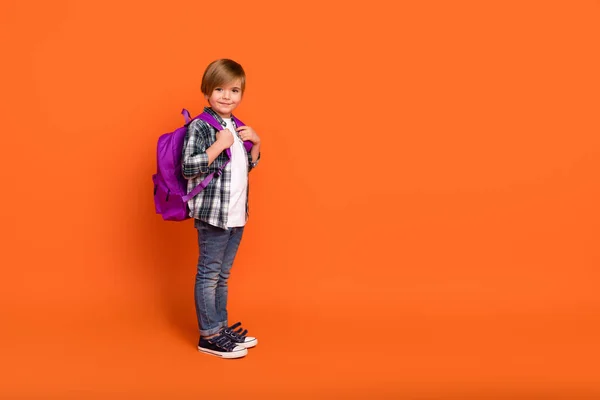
(212, 331)
(208, 332)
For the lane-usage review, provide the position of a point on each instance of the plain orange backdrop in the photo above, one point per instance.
(423, 223)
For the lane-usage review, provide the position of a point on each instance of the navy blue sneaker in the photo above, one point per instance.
(221, 346)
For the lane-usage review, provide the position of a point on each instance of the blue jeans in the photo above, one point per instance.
(218, 248)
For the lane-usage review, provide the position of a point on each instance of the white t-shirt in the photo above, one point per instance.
(239, 180)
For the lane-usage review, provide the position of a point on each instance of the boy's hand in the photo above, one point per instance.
(247, 133)
(225, 138)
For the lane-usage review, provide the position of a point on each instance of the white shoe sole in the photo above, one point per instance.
(249, 344)
(225, 354)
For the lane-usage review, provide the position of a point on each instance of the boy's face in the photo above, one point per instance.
(225, 98)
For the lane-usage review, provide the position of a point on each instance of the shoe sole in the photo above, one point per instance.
(249, 344)
(224, 354)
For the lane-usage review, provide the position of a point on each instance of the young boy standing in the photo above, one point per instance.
(220, 211)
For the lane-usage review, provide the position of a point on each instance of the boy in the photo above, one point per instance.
(221, 209)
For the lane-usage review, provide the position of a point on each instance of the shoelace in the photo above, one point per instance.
(238, 335)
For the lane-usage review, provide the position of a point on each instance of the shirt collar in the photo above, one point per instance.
(217, 116)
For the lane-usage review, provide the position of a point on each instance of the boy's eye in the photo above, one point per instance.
(219, 89)
(235, 90)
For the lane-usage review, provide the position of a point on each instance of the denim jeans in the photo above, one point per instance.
(218, 248)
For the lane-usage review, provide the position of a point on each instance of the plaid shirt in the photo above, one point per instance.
(211, 205)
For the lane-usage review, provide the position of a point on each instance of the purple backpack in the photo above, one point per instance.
(170, 187)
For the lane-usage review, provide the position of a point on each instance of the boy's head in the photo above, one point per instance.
(223, 85)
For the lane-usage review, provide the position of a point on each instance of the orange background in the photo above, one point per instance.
(424, 220)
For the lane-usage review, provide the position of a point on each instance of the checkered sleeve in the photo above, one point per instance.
(194, 160)
(250, 167)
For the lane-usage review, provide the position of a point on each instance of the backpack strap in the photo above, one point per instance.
(209, 119)
(247, 144)
(186, 115)
(203, 184)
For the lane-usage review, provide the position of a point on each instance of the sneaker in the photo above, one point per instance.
(239, 336)
(221, 346)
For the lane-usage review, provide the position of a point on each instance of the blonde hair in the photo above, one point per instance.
(220, 72)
